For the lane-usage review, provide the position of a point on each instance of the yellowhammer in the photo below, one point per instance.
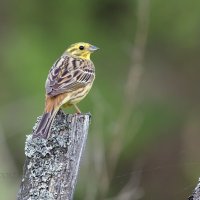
(68, 82)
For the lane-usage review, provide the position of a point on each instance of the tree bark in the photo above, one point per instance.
(51, 166)
(196, 193)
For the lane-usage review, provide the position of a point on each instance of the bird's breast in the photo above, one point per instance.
(76, 96)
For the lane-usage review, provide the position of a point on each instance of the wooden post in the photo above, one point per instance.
(51, 166)
(196, 193)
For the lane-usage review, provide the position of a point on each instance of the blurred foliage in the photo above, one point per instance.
(160, 141)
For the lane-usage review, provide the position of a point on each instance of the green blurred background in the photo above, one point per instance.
(144, 137)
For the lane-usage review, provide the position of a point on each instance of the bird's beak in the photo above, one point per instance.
(92, 48)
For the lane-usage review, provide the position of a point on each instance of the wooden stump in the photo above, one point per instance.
(52, 165)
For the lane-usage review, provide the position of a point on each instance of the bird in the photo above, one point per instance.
(68, 82)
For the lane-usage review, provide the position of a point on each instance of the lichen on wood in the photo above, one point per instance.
(51, 166)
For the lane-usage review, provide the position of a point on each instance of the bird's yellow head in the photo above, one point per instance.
(82, 50)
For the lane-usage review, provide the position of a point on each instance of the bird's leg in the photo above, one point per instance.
(77, 109)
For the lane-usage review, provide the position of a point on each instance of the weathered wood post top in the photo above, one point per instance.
(52, 165)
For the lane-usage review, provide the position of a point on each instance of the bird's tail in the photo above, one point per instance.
(43, 129)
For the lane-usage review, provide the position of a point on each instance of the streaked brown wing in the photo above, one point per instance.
(68, 74)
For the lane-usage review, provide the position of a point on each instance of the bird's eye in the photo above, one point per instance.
(81, 47)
